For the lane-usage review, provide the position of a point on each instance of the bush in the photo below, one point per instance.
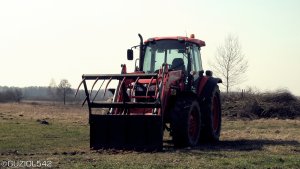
(280, 104)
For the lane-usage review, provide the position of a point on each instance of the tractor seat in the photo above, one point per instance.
(178, 64)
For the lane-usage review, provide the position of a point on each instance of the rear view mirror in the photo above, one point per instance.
(129, 54)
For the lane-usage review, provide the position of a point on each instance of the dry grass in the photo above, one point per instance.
(272, 129)
(263, 143)
(45, 110)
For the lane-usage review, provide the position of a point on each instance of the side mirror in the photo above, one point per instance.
(129, 54)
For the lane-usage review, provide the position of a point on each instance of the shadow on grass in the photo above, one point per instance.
(239, 145)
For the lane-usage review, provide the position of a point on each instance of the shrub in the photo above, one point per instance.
(280, 104)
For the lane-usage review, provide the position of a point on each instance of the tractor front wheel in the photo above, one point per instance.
(186, 122)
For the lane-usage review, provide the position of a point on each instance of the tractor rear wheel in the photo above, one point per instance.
(211, 117)
(186, 122)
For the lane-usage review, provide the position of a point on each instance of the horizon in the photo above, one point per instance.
(256, 91)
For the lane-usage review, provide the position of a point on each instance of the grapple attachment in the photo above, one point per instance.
(133, 118)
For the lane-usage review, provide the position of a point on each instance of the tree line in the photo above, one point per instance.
(58, 93)
(10, 94)
(63, 92)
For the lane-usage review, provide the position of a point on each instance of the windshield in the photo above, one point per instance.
(165, 51)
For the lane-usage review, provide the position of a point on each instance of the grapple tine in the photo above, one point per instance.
(106, 87)
(121, 83)
(148, 90)
(148, 87)
(84, 102)
(134, 85)
(94, 85)
(79, 86)
(98, 90)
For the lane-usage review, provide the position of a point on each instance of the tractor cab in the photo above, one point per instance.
(178, 53)
(174, 53)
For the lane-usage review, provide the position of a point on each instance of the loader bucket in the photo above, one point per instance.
(134, 132)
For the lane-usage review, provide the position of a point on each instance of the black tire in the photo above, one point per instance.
(186, 122)
(211, 117)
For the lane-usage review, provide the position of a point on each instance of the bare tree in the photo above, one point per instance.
(64, 89)
(230, 63)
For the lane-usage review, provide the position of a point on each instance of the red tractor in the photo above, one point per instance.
(167, 91)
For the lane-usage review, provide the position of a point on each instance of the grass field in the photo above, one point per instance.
(60, 134)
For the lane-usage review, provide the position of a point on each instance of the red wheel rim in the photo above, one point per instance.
(194, 125)
(215, 111)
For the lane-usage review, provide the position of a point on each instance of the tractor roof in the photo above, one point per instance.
(192, 40)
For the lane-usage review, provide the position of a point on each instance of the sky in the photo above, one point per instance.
(62, 39)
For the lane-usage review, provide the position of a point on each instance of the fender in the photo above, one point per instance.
(206, 85)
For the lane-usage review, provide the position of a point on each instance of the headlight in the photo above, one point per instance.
(144, 88)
